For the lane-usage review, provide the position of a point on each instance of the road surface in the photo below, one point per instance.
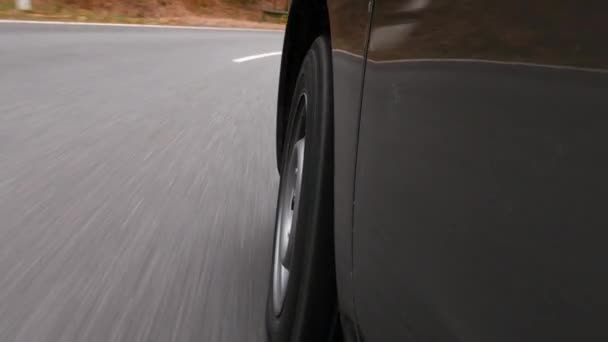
(137, 183)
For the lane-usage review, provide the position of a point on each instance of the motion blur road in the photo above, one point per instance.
(137, 183)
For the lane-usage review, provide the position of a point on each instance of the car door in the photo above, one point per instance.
(350, 24)
(480, 186)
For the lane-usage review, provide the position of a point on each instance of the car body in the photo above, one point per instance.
(469, 165)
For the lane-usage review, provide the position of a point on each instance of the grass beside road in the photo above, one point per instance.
(217, 16)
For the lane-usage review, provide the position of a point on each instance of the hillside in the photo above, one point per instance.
(247, 13)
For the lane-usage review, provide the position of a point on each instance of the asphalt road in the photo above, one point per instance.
(137, 183)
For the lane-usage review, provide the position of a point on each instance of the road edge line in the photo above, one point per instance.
(184, 27)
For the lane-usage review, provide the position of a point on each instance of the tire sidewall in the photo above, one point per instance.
(312, 83)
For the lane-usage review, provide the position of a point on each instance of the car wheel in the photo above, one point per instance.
(301, 301)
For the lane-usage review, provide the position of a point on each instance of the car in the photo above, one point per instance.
(443, 172)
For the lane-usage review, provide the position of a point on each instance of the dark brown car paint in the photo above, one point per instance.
(349, 23)
(481, 177)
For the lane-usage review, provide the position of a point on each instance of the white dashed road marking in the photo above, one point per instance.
(252, 57)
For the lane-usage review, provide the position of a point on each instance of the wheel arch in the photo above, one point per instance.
(308, 19)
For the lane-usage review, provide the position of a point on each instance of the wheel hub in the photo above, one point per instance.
(288, 204)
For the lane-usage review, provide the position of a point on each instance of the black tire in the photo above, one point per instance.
(310, 298)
